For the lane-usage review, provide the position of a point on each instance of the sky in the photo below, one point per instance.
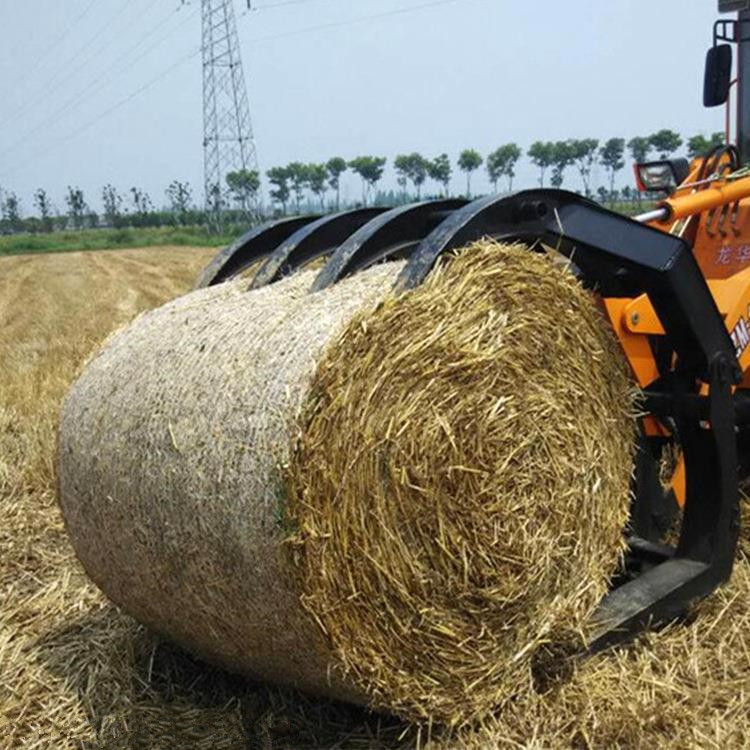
(109, 91)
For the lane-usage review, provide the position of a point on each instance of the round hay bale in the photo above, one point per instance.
(393, 503)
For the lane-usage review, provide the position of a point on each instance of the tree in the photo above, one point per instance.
(141, 205)
(370, 169)
(11, 211)
(512, 153)
(639, 148)
(243, 185)
(542, 155)
(180, 197)
(611, 157)
(418, 171)
(336, 166)
(402, 165)
(215, 201)
(469, 160)
(299, 178)
(699, 145)
(316, 178)
(279, 178)
(494, 168)
(439, 169)
(502, 163)
(112, 202)
(666, 142)
(44, 206)
(562, 158)
(77, 207)
(583, 154)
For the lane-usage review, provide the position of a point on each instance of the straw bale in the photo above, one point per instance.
(398, 505)
(475, 512)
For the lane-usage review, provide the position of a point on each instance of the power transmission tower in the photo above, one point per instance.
(228, 143)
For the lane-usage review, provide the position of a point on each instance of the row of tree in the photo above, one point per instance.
(133, 207)
(299, 183)
(584, 154)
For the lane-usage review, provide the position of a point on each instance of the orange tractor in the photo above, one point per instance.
(675, 285)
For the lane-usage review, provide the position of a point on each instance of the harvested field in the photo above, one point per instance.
(73, 668)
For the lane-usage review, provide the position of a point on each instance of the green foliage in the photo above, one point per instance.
(77, 208)
(401, 165)
(699, 145)
(336, 166)
(583, 154)
(469, 160)
(370, 169)
(666, 142)
(112, 202)
(142, 207)
(542, 154)
(563, 155)
(180, 197)
(107, 239)
(440, 170)
(44, 206)
(299, 177)
(502, 162)
(611, 158)
(11, 212)
(243, 185)
(316, 179)
(640, 148)
(413, 167)
(279, 178)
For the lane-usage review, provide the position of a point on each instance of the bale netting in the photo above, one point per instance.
(395, 500)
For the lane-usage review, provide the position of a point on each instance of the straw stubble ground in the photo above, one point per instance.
(75, 672)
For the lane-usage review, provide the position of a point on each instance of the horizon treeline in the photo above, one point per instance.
(307, 186)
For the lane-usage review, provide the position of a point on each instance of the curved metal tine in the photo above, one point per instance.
(528, 215)
(389, 235)
(252, 246)
(312, 241)
(480, 218)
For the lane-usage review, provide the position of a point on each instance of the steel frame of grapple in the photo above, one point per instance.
(618, 257)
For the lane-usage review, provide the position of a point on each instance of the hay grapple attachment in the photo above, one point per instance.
(690, 397)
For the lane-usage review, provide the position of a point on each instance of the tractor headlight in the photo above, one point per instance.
(657, 176)
(665, 175)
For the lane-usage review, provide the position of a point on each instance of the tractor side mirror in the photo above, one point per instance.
(718, 75)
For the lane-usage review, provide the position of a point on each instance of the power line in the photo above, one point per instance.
(55, 81)
(103, 79)
(107, 111)
(351, 21)
(280, 4)
(51, 46)
(194, 53)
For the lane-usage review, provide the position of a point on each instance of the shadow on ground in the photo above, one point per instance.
(142, 693)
